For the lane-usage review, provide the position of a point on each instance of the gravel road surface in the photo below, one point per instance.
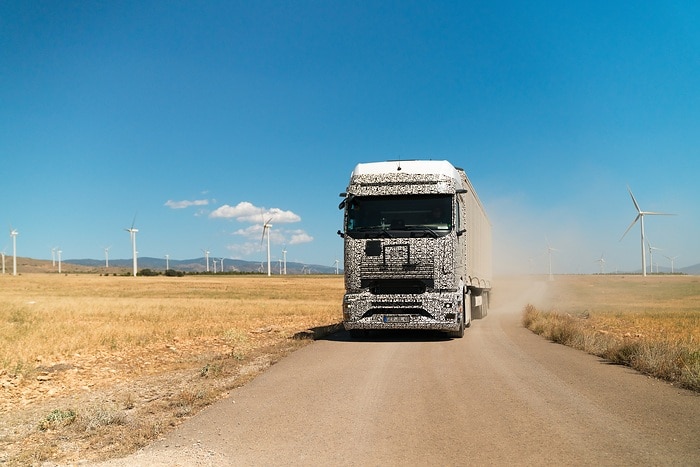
(500, 395)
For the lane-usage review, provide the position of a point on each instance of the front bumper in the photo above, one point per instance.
(430, 311)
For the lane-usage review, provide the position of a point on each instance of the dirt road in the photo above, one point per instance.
(500, 395)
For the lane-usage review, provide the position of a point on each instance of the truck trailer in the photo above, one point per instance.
(417, 248)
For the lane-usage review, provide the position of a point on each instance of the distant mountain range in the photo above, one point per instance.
(199, 265)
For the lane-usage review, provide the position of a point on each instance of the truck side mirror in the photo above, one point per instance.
(343, 202)
(460, 232)
(341, 234)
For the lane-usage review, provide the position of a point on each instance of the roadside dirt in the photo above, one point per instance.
(95, 407)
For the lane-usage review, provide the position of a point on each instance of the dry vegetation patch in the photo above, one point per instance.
(651, 324)
(97, 366)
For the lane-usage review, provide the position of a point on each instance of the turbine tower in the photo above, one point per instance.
(266, 228)
(132, 231)
(214, 261)
(3, 260)
(13, 234)
(284, 258)
(107, 256)
(59, 260)
(670, 258)
(336, 262)
(640, 218)
(167, 262)
(601, 262)
(53, 257)
(222, 264)
(651, 258)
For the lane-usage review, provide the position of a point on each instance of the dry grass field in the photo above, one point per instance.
(649, 323)
(96, 366)
(93, 367)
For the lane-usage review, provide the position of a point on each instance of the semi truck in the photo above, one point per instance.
(417, 248)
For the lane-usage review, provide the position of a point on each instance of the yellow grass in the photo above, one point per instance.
(655, 306)
(93, 367)
(53, 317)
(651, 324)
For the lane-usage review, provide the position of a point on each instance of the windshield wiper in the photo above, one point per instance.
(422, 228)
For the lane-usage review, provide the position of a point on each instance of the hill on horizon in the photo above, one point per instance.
(124, 266)
(198, 265)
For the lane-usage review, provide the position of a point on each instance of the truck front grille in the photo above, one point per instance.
(397, 286)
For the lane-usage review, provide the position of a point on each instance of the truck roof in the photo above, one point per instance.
(409, 167)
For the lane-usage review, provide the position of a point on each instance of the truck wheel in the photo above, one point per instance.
(459, 333)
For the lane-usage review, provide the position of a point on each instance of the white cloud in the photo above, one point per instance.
(299, 236)
(250, 232)
(185, 203)
(254, 241)
(248, 212)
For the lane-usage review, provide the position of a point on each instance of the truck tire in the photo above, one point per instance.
(459, 333)
(466, 305)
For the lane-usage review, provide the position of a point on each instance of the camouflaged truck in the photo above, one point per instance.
(417, 248)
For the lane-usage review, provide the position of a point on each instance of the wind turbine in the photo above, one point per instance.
(284, 258)
(107, 256)
(651, 258)
(266, 228)
(336, 262)
(670, 258)
(13, 234)
(222, 264)
(53, 257)
(3, 260)
(214, 261)
(59, 260)
(206, 257)
(640, 218)
(550, 249)
(167, 262)
(601, 261)
(132, 232)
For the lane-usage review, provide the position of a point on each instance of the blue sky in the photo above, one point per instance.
(198, 117)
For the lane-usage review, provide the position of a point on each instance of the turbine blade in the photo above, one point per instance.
(628, 228)
(636, 205)
(651, 213)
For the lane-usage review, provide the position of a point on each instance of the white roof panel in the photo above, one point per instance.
(408, 167)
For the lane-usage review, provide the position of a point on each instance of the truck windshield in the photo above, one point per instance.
(411, 212)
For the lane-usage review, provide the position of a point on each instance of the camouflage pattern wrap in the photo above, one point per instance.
(409, 280)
